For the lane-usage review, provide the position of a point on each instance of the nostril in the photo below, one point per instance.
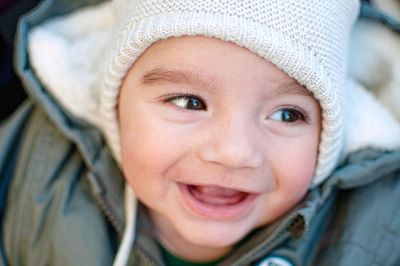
(233, 157)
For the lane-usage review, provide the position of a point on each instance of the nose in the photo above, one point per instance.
(233, 145)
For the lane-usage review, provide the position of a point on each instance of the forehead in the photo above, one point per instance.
(165, 74)
(208, 62)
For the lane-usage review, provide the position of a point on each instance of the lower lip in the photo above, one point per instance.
(218, 212)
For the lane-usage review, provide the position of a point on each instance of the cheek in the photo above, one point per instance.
(149, 149)
(142, 138)
(294, 166)
(302, 157)
(137, 146)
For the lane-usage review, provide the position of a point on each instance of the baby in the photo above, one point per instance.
(216, 141)
(223, 123)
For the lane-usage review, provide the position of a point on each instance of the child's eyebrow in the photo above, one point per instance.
(161, 75)
(164, 75)
(291, 87)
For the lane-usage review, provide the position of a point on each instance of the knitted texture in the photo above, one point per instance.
(307, 39)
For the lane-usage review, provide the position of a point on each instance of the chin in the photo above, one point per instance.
(214, 234)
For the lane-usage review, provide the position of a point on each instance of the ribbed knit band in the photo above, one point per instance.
(307, 39)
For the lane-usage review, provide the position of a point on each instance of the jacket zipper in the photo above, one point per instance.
(104, 205)
(112, 217)
(109, 213)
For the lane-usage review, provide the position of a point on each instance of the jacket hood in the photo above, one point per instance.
(57, 47)
(104, 174)
(87, 138)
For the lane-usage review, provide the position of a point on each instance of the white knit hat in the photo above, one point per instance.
(307, 39)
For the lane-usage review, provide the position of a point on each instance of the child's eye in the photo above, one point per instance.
(288, 115)
(189, 102)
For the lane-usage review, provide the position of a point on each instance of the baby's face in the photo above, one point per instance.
(216, 141)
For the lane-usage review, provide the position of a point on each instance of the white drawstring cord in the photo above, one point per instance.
(130, 203)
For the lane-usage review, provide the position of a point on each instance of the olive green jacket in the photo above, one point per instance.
(61, 194)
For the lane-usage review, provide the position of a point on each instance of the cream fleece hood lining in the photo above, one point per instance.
(66, 52)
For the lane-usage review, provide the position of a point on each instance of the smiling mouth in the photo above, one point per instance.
(216, 202)
(217, 196)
